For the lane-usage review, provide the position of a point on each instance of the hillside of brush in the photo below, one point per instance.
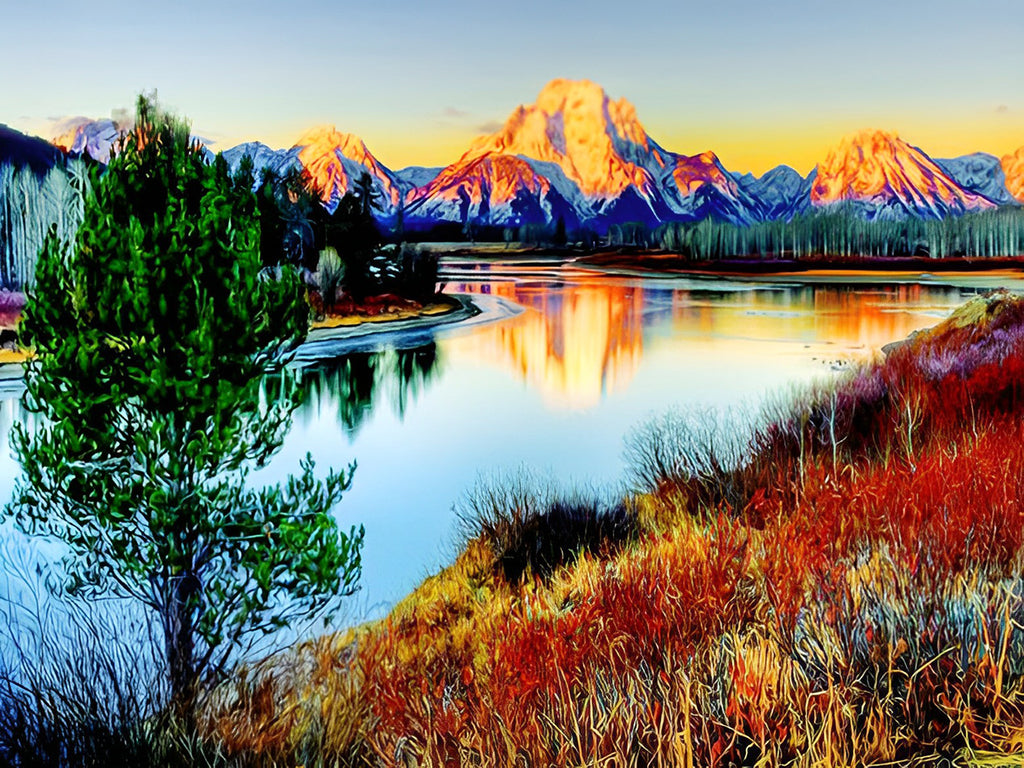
(843, 586)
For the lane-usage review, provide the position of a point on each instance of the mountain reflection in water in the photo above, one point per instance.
(580, 341)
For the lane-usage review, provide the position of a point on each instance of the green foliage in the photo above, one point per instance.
(155, 331)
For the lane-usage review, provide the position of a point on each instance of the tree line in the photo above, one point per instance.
(842, 232)
(30, 204)
(838, 231)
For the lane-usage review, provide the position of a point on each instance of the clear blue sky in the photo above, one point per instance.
(759, 83)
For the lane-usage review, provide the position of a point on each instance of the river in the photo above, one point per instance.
(558, 387)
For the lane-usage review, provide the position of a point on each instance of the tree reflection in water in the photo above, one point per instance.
(356, 383)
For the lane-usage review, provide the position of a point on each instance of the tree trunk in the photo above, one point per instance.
(179, 639)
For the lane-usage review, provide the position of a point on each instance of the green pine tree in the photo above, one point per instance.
(155, 332)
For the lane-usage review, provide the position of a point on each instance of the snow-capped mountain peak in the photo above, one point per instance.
(333, 160)
(879, 170)
(574, 125)
(84, 136)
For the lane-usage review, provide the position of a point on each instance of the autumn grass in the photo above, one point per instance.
(13, 356)
(383, 309)
(845, 587)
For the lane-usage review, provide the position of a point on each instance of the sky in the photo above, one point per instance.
(759, 83)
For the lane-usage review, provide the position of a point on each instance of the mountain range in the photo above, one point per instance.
(578, 156)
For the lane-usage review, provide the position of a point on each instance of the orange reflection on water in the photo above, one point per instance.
(582, 340)
(575, 346)
(852, 321)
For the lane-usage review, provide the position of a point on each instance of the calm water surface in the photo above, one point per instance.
(557, 388)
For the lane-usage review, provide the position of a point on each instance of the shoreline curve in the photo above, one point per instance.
(323, 344)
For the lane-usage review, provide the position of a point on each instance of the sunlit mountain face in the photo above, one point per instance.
(1013, 167)
(500, 190)
(597, 143)
(333, 161)
(888, 176)
(95, 138)
(579, 156)
(597, 154)
(575, 155)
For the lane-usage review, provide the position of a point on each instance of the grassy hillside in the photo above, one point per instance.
(844, 589)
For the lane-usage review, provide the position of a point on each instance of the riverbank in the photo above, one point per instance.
(844, 588)
(650, 263)
(339, 335)
(461, 311)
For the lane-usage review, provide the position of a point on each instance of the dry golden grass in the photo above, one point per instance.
(384, 315)
(13, 356)
(860, 604)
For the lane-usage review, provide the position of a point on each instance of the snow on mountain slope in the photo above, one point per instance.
(980, 173)
(781, 192)
(335, 161)
(496, 190)
(263, 157)
(417, 175)
(83, 136)
(600, 147)
(332, 160)
(886, 176)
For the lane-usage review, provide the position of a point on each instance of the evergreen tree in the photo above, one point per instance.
(351, 230)
(559, 239)
(155, 331)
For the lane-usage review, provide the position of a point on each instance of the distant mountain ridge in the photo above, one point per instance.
(96, 138)
(782, 192)
(23, 151)
(578, 156)
(980, 173)
(614, 167)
